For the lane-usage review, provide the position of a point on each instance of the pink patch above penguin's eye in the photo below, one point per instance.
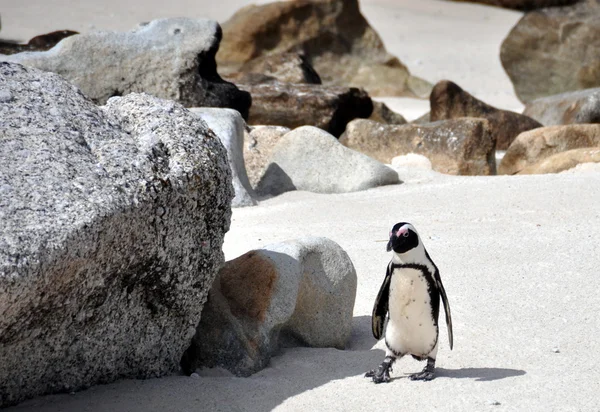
(402, 232)
(391, 233)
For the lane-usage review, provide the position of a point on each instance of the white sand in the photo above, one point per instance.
(519, 256)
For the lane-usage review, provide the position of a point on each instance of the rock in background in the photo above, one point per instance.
(283, 67)
(334, 37)
(311, 159)
(582, 106)
(562, 161)
(554, 50)
(229, 127)
(383, 114)
(536, 145)
(113, 221)
(258, 148)
(449, 101)
(169, 58)
(463, 146)
(293, 105)
(299, 292)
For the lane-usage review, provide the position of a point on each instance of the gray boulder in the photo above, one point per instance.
(299, 292)
(229, 126)
(582, 106)
(169, 58)
(311, 159)
(113, 221)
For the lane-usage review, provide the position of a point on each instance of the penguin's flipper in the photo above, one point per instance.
(380, 308)
(446, 309)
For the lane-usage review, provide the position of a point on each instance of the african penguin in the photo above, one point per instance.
(410, 297)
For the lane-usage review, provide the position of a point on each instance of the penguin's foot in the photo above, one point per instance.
(427, 373)
(382, 374)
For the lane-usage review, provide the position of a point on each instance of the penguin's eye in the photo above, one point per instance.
(405, 234)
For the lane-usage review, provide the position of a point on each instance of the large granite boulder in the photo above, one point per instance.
(113, 221)
(293, 105)
(169, 58)
(536, 145)
(562, 161)
(463, 146)
(524, 5)
(333, 35)
(554, 50)
(582, 106)
(449, 101)
(229, 127)
(259, 143)
(299, 292)
(311, 159)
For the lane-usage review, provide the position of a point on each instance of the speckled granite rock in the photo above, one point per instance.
(113, 221)
(229, 126)
(169, 58)
(299, 292)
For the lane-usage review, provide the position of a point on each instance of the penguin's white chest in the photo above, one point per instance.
(411, 328)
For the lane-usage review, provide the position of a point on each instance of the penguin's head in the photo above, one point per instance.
(403, 237)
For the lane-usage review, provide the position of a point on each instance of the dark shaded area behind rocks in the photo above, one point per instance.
(293, 105)
(38, 43)
(524, 5)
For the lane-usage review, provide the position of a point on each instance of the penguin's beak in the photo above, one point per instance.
(389, 245)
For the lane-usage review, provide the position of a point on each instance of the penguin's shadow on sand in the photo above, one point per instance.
(364, 341)
(479, 374)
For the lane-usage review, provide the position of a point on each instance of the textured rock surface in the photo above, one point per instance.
(524, 5)
(297, 292)
(112, 226)
(383, 114)
(311, 159)
(554, 50)
(533, 146)
(258, 147)
(38, 43)
(582, 106)
(462, 146)
(333, 35)
(229, 127)
(564, 161)
(283, 67)
(449, 101)
(169, 58)
(293, 105)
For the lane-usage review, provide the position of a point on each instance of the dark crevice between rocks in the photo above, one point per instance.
(219, 92)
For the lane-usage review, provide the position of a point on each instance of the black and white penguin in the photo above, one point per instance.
(410, 297)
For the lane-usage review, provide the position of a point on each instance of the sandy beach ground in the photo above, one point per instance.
(519, 255)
